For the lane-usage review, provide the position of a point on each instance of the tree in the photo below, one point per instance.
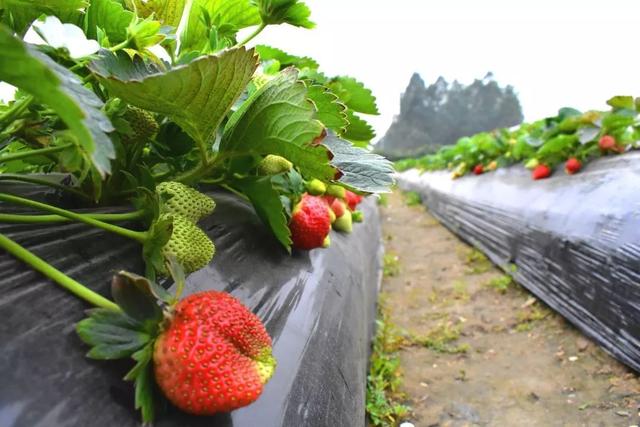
(443, 112)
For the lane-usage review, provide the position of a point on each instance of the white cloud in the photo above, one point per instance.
(555, 53)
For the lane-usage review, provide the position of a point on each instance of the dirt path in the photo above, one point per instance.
(476, 356)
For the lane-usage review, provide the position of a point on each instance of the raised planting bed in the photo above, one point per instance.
(574, 240)
(318, 306)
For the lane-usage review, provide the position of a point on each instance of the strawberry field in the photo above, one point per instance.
(200, 226)
(180, 184)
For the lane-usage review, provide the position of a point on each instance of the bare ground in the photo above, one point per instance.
(478, 357)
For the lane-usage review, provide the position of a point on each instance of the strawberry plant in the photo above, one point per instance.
(571, 138)
(139, 103)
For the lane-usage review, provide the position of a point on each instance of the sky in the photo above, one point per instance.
(555, 53)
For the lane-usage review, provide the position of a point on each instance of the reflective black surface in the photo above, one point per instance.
(575, 240)
(318, 306)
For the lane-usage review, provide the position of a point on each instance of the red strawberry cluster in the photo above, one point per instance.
(312, 218)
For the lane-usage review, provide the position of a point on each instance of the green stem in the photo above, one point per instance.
(194, 174)
(32, 180)
(140, 236)
(56, 275)
(15, 110)
(46, 219)
(234, 191)
(254, 34)
(119, 46)
(37, 152)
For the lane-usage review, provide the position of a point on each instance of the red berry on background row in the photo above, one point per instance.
(541, 172)
(607, 142)
(478, 169)
(572, 166)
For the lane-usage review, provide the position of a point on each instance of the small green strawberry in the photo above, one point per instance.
(336, 191)
(344, 223)
(143, 125)
(532, 164)
(189, 244)
(274, 165)
(185, 201)
(357, 216)
(316, 187)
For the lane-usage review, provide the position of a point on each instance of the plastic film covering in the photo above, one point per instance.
(318, 306)
(575, 240)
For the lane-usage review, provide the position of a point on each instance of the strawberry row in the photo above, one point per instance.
(567, 141)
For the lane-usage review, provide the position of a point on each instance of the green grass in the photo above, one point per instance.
(411, 198)
(460, 291)
(527, 318)
(391, 265)
(500, 284)
(383, 200)
(384, 402)
(477, 262)
(440, 339)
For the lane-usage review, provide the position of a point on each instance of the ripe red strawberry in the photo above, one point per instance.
(572, 166)
(607, 142)
(328, 199)
(338, 207)
(541, 172)
(478, 169)
(310, 222)
(352, 199)
(214, 355)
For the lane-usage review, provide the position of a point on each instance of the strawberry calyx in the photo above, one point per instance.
(130, 333)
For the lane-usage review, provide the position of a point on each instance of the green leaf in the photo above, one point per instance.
(145, 33)
(168, 12)
(111, 334)
(329, 110)
(135, 296)
(622, 102)
(358, 131)
(24, 12)
(292, 12)
(354, 94)
(278, 119)
(34, 72)
(557, 146)
(142, 372)
(268, 206)
(236, 13)
(268, 53)
(111, 17)
(361, 169)
(587, 134)
(159, 234)
(196, 96)
(619, 119)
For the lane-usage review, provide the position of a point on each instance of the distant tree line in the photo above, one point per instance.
(440, 114)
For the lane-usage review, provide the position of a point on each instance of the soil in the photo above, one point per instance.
(476, 356)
